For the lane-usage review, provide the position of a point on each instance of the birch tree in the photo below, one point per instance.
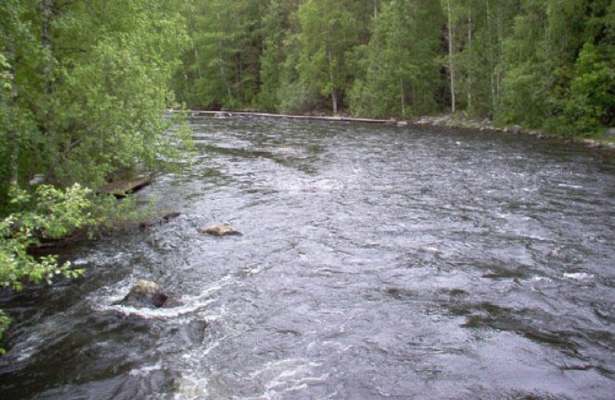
(451, 63)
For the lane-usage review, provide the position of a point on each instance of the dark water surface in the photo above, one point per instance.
(376, 263)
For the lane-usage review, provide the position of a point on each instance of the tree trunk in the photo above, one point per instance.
(334, 100)
(451, 66)
(493, 66)
(500, 27)
(239, 84)
(223, 76)
(402, 98)
(197, 62)
(470, 69)
(47, 14)
(46, 42)
(12, 135)
(332, 79)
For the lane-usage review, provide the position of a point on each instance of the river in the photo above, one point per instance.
(376, 262)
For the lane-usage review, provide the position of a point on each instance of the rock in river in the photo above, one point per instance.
(145, 294)
(516, 130)
(166, 218)
(220, 230)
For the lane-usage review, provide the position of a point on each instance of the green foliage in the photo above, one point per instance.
(275, 25)
(524, 96)
(592, 92)
(48, 213)
(402, 75)
(294, 94)
(297, 97)
(5, 148)
(84, 87)
(328, 34)
(221, 65)
(87, 101)
(5, 321)
(558, 70)
(515, 61)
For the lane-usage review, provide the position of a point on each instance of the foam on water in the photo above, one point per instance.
(188, 304)
(579, 276)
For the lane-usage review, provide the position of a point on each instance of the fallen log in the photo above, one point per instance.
(47, 246)
(124, 187)
(218, 114)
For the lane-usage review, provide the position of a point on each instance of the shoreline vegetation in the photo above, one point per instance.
(460, 122)
(83, 90)
(445, 120)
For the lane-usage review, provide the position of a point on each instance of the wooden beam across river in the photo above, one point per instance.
(228, 114)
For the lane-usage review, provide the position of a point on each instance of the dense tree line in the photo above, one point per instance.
(539, 63)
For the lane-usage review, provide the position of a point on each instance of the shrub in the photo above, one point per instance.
(48, 213)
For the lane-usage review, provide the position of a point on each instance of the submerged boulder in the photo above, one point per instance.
(145, 294)
(191, 333)
(220, 230)
(172, 215)
(166, 218)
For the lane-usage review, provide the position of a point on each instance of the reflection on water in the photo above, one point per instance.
(376, 262)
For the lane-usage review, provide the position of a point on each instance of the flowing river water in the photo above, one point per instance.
(375, 263)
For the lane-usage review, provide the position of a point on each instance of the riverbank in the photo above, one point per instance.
(458, 122)
(445, 120)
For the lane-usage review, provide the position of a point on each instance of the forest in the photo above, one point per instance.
(85, 85)
(537, 63)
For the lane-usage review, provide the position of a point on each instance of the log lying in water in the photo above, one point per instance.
(218, 114)
(48, 246)
(122, 188)
(444, 121)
